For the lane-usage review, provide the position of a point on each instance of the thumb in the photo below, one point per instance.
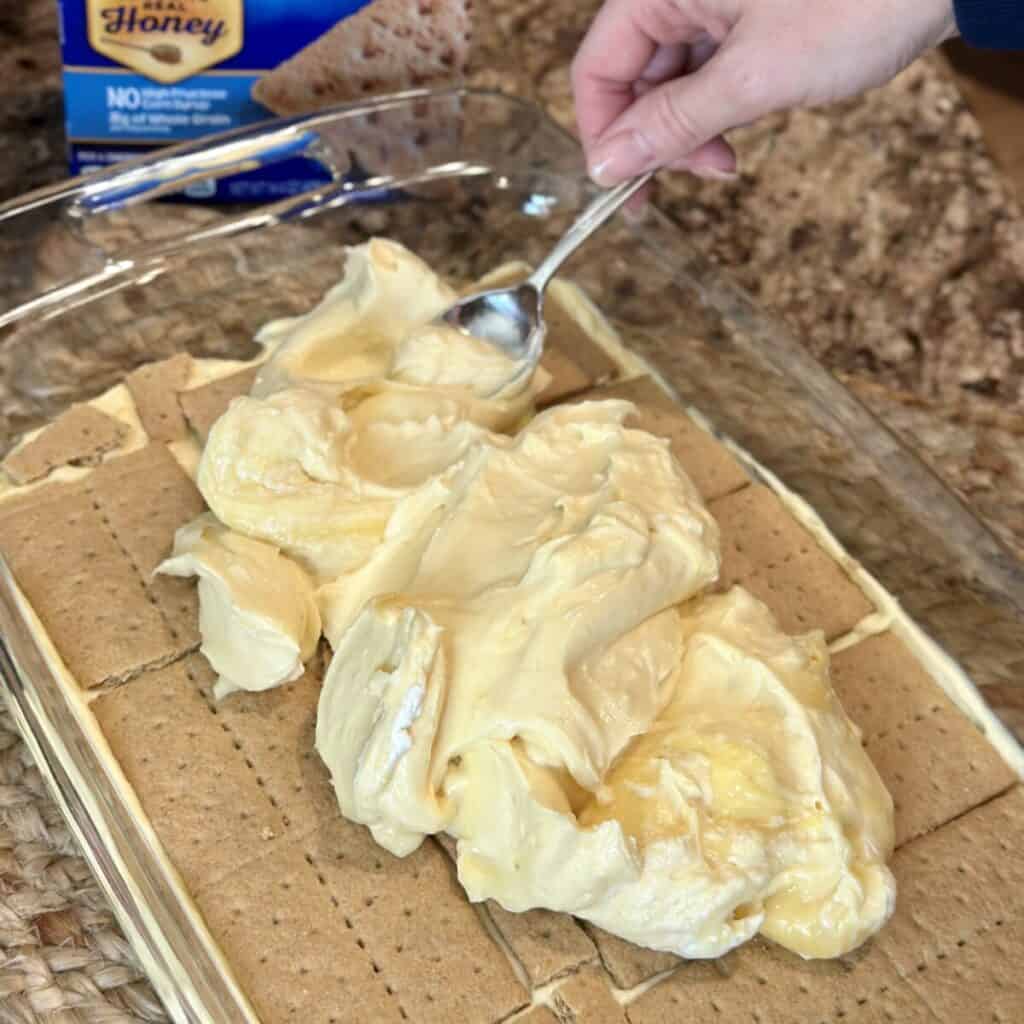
(669, 122)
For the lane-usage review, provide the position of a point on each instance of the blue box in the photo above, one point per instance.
(140, 74)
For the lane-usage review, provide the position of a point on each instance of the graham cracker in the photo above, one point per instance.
(759, 982)
(449, 845)
(82, 584)
(289, 946)
(778, 561)
(538, 1015)
(567, 378)
(567, 337)
(275, 730)
(928, 785)
(910, 726)
(154, 389)
(881, 683)
(984, 981)
(547, 945)
(388, 46)
(412, 916)
(956, 884)
(145, 496)
(627, 964)
(708, 463)
(204, 405)
(198, 793)
(571, 355)
(80, 436)
(586, 997)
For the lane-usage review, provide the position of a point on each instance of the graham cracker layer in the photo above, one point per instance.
(567, 377)
(308, 901)
(68, 561)
(545, 945)
(204, 405)
(568, 338)
(984, 979)
(80, 436)
(782, 989)
(538, 1015)
(586, 997)
(412, 915)
(936, 768)
(959, 883)
(144, 497)
(275, 733)
(289, 946)
(881, 683)
(193, 783)
(910, 726)
(778, 561)
(320, 924)
(627, 964)
(154, 389)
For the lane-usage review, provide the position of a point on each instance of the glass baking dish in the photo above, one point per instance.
(100, 279)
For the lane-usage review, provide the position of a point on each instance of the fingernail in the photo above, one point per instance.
(620, 157)
(716, 174)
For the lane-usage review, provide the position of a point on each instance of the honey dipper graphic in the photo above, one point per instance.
(166, 53)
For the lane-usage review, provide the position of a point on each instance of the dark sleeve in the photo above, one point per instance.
(991, 24)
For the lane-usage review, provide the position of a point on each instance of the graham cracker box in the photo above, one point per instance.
(139, 74)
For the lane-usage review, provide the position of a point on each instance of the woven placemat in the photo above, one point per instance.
(63, 958)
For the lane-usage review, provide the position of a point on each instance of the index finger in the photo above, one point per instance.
(610, 58)
(617, 48)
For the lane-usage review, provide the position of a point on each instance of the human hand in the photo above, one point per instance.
(657, 82)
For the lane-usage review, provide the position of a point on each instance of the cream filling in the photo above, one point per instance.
(742, 804)
(258, 616)
(374, 330)
(547, 621)
(829, 860)
(522, 656)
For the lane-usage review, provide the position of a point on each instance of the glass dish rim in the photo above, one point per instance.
(23, 663)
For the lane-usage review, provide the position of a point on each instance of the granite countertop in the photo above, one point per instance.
(880, 230)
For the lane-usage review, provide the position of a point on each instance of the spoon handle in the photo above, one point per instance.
(600, 208)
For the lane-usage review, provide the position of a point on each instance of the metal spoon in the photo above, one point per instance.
(512, 319)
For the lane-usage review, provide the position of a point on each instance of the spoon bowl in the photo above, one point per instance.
(512, 319)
